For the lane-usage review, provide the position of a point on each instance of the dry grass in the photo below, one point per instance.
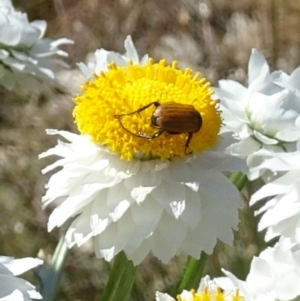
(212, 36)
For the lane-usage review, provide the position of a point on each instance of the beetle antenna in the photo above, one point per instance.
(119, 117)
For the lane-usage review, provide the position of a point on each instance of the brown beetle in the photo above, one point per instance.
(171, 117)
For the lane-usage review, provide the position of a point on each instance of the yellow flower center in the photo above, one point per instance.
(206, 295)
(124, 90)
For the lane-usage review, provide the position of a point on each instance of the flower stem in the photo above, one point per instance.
(192, 273)
(120, 280)
(51, 274)
(239, 180)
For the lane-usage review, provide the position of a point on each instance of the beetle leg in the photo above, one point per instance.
(150, 137)
(156, 103)
(187, 143)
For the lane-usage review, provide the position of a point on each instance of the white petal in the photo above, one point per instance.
(245, 147)
(140, 193)
(166, 240)
(131, 52)
(288, 287)
(147, 216)
(163, 297)
(14, 288)
(18, 266)
(241, 285)
(258, 70)
(278, 186)
(229, 86)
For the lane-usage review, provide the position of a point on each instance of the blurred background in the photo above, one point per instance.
(214, 37)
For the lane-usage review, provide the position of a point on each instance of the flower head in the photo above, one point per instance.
(129, 88)
(263, 115)
(26, 57)
(274, 275)
(139, 195)
(14, 288)
(208, 290)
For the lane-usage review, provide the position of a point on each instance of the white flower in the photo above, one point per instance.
(281, 213)
(263, 115)
(13, 288)
(207, 290)
(143, 195)
(274, 275)
(103, 57)
(142, 206)
(26, 57)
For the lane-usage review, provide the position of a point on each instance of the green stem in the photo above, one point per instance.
(120, 280)
(239, 180)
(192, 273)
(51, 274)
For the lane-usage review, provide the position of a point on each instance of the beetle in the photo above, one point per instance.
(172, 118)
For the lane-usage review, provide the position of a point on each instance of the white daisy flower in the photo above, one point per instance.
(164, 194)
(274, 275)
(26, 57)
(281, 213)
(13, 288)
(208, 290)
(263, 115)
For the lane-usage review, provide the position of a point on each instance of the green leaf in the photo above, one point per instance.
(192, 273)
(120, 280)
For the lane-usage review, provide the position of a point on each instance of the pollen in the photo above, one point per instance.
(123, 90)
